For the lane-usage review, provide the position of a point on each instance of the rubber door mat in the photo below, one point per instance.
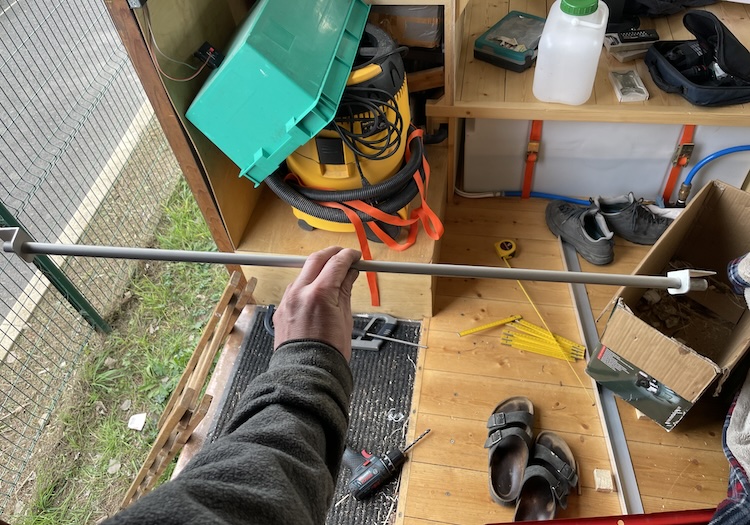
(381, 400)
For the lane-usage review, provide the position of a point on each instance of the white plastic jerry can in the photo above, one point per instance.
(569, 51)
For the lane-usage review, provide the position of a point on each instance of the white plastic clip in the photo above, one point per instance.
(690, 281)
(13, 241)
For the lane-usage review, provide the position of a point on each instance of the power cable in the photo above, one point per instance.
(155, 60)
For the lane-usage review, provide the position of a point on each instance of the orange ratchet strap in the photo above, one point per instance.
(423, 213)
(532, 155)
(372, 278)
(679, 160)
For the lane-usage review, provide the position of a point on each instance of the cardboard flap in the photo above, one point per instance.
(668, 243)
(668, 361)
(719, 232)
(715, 299)
(739, 343)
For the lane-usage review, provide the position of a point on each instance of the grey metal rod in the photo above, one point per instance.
(296, 261)
(617, 445)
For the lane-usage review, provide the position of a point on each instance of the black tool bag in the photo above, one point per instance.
(661, 7)
(713, 70)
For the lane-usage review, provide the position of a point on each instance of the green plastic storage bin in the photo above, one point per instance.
(523, 29)
(281, 81)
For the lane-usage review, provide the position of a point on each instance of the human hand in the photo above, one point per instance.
(318, 305)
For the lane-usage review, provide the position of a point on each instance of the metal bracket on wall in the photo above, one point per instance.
(682, 154)
(136, 4)
(532, 156)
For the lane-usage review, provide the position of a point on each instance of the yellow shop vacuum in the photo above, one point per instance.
(358, 163)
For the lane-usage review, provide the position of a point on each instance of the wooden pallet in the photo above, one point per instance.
(188, 405)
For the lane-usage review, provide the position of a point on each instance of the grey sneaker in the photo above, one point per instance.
(631, 219)
(584, 228)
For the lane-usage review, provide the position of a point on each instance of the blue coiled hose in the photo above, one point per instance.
(551, 196)
(686, 186)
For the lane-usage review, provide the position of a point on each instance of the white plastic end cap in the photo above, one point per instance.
(690, 281)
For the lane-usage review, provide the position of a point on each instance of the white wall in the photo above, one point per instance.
(590, 158)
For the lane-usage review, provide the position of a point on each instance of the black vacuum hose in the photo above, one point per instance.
(292, 197)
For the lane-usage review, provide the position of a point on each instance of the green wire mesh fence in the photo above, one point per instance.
(82, 160)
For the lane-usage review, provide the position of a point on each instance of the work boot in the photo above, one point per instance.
(584, 228)
(631, 219)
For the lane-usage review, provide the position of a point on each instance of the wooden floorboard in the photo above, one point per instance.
(461, 313)
(461, 379)
(484, 355)
(452, 495)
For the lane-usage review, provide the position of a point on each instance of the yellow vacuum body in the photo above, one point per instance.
(366, 141)
(325, 162)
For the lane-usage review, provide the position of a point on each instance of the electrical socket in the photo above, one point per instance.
(208, 54)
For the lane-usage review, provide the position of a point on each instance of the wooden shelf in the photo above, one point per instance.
(273, 228)
(487, 91)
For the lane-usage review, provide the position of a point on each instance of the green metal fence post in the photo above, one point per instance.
(59, 280)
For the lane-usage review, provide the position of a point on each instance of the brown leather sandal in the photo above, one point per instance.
(547, 481)
(509, 443)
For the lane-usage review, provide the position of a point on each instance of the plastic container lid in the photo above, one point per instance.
(579, 7)
(281, 81)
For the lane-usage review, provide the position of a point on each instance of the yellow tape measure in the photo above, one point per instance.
(489, 325)
(505, 249)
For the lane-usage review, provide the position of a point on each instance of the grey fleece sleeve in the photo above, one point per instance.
(279, 458)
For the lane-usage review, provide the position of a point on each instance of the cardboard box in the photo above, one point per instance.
(661, 353)
(413, 26)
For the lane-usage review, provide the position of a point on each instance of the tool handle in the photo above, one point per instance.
(361, 341)
(389, 325)
(368, 479)
(354, 460)
(377, 471)
(359, 332)
(365, 339)
(386, 327)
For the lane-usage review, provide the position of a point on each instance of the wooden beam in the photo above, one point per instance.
(427, 79)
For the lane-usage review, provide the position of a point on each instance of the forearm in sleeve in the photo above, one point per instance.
(279, 458)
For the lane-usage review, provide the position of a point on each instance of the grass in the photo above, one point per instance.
(132, 370)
